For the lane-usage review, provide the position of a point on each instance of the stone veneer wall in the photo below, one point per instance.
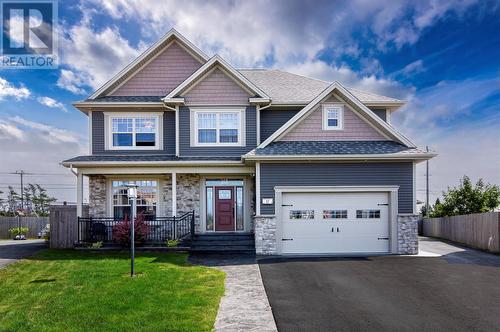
(188, 196)
(97, 196)
(407, 234)
(265, 235)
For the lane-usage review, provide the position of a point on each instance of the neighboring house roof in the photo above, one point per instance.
(125, 99)
(336, 150)
(142, 59)
(355, 104)
(286, 88)
(215, 62)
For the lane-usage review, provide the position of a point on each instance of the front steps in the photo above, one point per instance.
(223, 243)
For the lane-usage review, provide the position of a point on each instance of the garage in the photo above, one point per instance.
(322, 222)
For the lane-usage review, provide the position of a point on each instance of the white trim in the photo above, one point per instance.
(79, 194)
(257, 115)
(393, 206)
(172, 33)
(151, 170)
(257, 188)
(177, 143)
(90, 132)
(109, 116)
(194, 124)
(414, 187)
(202, 71)
(340, 118)
(174, 194)
(336, 86)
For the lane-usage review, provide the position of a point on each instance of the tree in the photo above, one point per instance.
(13, 200)
(467, 198)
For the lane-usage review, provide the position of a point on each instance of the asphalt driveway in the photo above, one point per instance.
(11, 250)
(448, 288)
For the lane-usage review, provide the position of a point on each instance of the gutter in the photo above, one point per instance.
(353, 157)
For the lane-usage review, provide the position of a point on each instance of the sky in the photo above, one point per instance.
(442, 57)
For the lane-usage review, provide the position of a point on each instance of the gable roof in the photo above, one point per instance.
(147, 55)
(364, 111)
(215, 61)
(291, 89)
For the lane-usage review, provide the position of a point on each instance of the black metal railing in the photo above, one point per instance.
(159, 229)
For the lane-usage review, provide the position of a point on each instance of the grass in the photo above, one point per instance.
(83, 291)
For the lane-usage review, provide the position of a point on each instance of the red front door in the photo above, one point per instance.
(224, 208)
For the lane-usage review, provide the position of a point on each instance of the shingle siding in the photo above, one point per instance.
(185, 137)
(271, 120)
(340, 174)
(161, 75)
(98, 136)
(216, 89)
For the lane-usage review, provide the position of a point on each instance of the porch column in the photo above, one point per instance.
(174, 194)
(79, 194)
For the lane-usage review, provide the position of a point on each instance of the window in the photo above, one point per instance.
(210, 209)
(334, 214)
(224, 193)
(333, 115)
(146, 199)
(368, 214)
(301, 214)
(133, 132)
(218, 128)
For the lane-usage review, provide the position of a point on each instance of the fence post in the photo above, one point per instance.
(192, 224)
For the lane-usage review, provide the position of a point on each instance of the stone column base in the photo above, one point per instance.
(265, 235)
(407, 234)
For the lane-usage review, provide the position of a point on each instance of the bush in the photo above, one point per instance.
(172, 243)
(15, 231)
(121, 231)
(96, 245)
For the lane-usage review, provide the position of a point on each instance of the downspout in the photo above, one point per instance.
(72, 170)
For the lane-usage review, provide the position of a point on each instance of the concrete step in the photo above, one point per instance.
(239, 242)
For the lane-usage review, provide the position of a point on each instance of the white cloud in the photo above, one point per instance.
(72, 82)
(46, 132)
(8, 89)
(52, 103)
(8, 130)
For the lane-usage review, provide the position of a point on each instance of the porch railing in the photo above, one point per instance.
(160, 229)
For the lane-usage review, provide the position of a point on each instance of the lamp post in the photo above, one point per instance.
(132, 194)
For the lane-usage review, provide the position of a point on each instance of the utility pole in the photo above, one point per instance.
(21, 173)
(427, 185)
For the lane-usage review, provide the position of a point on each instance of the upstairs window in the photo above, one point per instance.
(218, 128)
(133, 132)
(333, 117)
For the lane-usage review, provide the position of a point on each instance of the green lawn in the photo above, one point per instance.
(82, 291)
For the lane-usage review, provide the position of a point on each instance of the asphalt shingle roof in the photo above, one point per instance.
(287, 88)
(333, 148)
(147, 158)
(127, 99)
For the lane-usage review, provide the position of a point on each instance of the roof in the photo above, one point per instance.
(288, 88)
(143, 158)
(126, 99)
(341, 150)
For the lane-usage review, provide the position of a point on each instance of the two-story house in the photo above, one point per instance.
(307, 166)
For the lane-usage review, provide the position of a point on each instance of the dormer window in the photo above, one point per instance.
(133, 131)
(218, 127)
(333, 116)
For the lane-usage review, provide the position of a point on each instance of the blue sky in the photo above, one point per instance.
(443, 57)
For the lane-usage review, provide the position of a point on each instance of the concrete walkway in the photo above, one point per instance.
(11, 251)
(244, 306)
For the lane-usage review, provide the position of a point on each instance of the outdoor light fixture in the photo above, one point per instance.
(132, 194)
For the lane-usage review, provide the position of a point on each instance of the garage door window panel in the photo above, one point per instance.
(334, 214)
(301, 214)
(368, 214)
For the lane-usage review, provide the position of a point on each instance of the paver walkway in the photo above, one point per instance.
(11, 251)
(244, 306)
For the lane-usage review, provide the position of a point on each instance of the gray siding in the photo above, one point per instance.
(271, 120)
(98, 133)
(341, 174)
(230, 151)
(380, 113)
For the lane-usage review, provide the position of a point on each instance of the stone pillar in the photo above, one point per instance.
(408, 234)
(265, 235)
(97, 196)
(188, 196)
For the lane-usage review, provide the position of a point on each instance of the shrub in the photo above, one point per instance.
(96, 245)
(121, 231)
(172, 243)
(15, 231)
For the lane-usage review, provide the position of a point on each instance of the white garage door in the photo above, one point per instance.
(321, 223)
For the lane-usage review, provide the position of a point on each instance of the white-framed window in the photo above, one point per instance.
(128, 131)
(333, 116)
(213, 127)
(146, 201)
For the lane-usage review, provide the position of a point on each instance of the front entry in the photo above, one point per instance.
(224, 208)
